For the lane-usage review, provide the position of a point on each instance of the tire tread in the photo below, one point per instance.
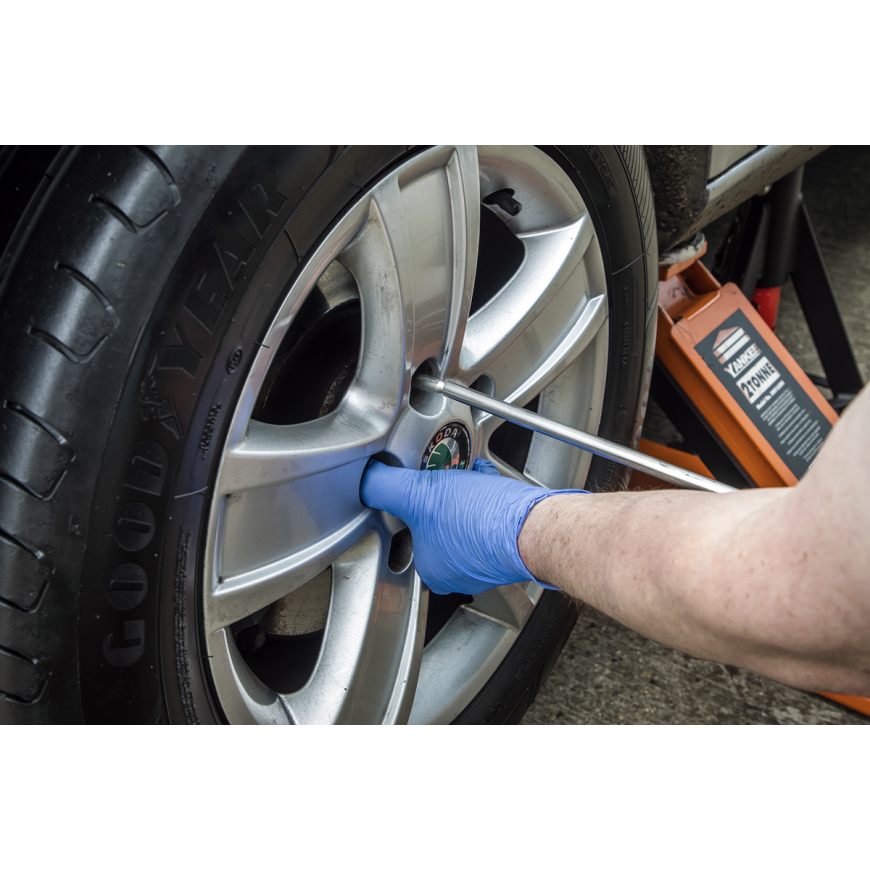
(40, 483)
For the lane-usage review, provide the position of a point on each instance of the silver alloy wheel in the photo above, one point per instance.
(285, 511)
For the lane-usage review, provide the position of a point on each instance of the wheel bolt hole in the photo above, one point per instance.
(401, 551)
(426, 403)
(388, 459)
(484, 384)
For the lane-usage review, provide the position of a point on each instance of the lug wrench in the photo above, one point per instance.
(592, 443)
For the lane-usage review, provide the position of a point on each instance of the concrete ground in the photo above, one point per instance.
(608, 674)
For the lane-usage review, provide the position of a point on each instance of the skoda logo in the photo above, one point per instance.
(449, 448)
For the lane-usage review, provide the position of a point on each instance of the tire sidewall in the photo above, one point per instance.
(617, 199)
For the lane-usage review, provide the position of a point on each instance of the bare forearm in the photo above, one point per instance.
(730, 578)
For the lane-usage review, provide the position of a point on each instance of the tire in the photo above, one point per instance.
(138, 288)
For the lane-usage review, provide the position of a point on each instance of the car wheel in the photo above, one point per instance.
(202, 349)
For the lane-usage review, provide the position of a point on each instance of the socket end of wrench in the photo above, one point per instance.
(428, 383)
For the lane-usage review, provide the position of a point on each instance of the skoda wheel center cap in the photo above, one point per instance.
(449, 448)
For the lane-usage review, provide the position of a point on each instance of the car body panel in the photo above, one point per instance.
(688, 198)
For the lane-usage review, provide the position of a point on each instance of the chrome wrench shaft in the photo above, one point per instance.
(592, 443)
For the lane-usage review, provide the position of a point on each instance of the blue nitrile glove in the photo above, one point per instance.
(464, 524)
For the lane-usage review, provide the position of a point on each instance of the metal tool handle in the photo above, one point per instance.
(599, 446)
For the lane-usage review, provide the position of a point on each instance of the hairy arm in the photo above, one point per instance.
(773, 580)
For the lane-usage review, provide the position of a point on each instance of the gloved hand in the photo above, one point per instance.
(464, 524)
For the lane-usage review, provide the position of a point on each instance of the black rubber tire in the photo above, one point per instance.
(135, 283)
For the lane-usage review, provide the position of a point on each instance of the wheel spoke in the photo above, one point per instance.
(251, 703)
(464, 179)
(539, 354)
(414, 262)
(372, 646)
(247, 576)
(542, 306)
(504, 469)
(452, 674)
(451, 677)
(573, 399)
(509, 605)
(272, 455)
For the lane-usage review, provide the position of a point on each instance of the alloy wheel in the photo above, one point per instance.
(312, 609)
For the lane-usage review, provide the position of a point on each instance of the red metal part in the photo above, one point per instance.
(766, 300)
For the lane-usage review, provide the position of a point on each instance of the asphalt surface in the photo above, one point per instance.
(608, 674)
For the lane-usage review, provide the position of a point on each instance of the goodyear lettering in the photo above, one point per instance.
(262, 202)
(153, 406)
(147, 469)
(233, 253)
(134, 526)
(127, 650)
(180, 356)
(206, 299)
(127, 586)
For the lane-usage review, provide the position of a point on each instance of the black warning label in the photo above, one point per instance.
(790, 421)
